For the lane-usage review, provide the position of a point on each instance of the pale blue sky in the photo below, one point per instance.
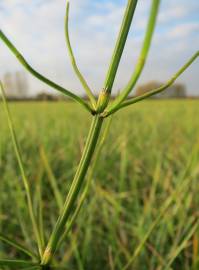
(36, 28)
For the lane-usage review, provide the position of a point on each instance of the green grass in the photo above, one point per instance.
(147, 172)
(47, 244)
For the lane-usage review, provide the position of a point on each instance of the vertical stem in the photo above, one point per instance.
(119, 47)
(116, 57)
(74, 190)
(142, 58)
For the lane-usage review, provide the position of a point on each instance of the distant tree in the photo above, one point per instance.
(21, 84)
(180, 90)
(177, 90)
(144, 88)
(46, 96)
(16, 84)
(9, 84)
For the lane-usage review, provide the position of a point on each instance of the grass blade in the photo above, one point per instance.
(52, 180)
(179, 190)
(17, 246)
(39, 206)
(182, 246)
(14, 264)
(23, 175)
(32, 268)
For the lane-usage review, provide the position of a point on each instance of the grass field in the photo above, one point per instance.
(144, 189)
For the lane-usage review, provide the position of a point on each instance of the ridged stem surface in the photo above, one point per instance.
(74, 190)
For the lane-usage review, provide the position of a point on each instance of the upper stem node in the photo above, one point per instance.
(103, 100)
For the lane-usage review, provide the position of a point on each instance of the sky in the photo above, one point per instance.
(37, 29)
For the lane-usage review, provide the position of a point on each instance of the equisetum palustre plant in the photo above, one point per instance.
(99, 109)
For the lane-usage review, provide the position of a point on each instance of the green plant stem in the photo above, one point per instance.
(23, 175)
(157, 90)
(73, 61)
(142, 58)
(120, 43)
(17, 246)
(52, 180)
(74, 190)
(40, 205)
(15, 264)
(88, 183)
(37, 267)
(39, 76)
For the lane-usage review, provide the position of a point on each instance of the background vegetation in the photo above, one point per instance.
(147, 173)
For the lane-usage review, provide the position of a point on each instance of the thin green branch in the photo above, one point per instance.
(52, 180)
(17, 246)
(142, 58)
(157, 90)
(120, 43)
(23, 175)
(15, 264)
(22, 60)
(59, 268)
(32, 268)
(39, 206)
(17, 196)
(75, 214)
(73, 61)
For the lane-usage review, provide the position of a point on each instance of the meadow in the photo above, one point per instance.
(141, 211)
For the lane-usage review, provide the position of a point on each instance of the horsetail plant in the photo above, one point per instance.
(100, 109)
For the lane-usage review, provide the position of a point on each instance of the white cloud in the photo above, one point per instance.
(184, 30)
(176, 12)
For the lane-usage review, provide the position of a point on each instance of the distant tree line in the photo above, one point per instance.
(177, 90)
(17, 88)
